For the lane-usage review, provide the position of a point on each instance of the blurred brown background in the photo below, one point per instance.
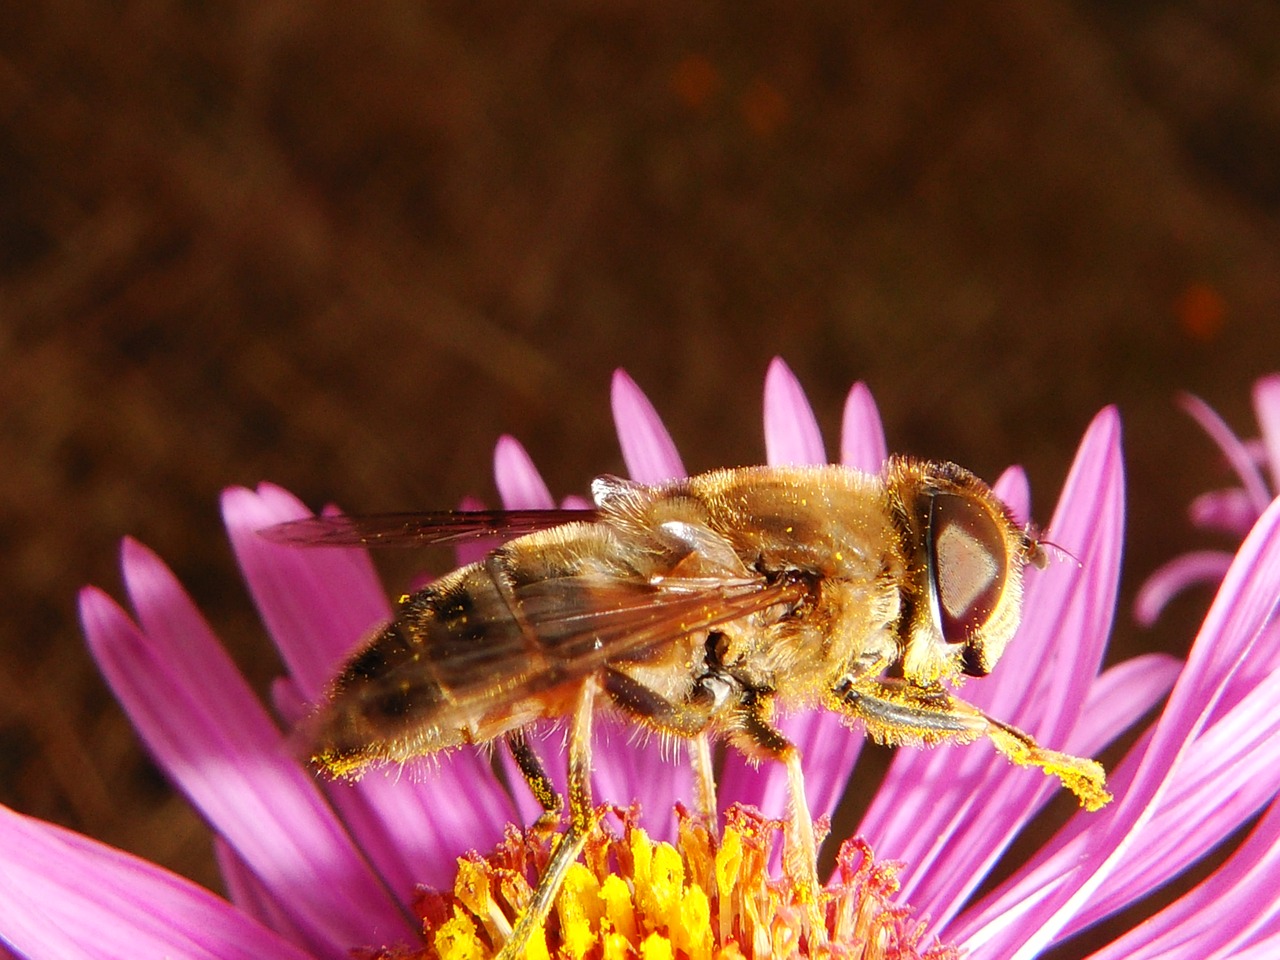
(345, 246)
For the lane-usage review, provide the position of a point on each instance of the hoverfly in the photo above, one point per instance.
(696, 608)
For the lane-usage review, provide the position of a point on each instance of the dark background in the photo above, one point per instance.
(345, 246)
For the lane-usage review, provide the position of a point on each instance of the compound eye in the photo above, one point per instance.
(968, 564)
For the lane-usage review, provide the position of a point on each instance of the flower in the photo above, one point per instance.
(316, 869)
(1232, 511)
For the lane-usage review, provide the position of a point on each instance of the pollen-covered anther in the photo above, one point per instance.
(634, 898)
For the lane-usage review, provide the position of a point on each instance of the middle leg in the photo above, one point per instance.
(683, 720)
(571, 842)
(758, 737)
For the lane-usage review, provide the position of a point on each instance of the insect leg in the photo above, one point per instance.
(544, 791)
(895, 711)
(571, 842)
(763, 738)
(700, 751)
(686, 721)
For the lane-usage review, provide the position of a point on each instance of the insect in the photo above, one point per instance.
(696, 608)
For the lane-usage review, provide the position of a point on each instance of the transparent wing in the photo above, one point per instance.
(569, 628)
(580, 624)
(419, 529)
(454, 656)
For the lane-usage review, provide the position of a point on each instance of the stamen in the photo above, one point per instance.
(704, 898)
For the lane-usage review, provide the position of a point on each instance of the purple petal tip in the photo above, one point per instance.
(647, 447)
(519, 483)
(791, 434)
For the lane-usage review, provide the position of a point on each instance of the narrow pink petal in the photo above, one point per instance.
(1222, 912)
(1069, 607)
(1232, 771)
(212, 737)
(634, 766)
(1119, 697)
(862, 443)
(63, 895)
(1232, 448)
(519, 483)
(1065, 878)
(647, 448)
(1266, 407)
(318, 603)
(933, 810)
(791, 434)
(1230, 511)
(288, 703)
(1264, 948)
(1189, 569)
(1014, 491)
(249, 895)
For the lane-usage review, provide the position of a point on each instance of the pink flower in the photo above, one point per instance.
(314, 869)
(1232, 511)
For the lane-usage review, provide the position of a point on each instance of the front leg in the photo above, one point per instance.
(897, 712)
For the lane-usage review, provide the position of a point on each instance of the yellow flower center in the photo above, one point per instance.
(704, 898)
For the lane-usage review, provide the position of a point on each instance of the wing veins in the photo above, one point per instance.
(577, 643)
(419, 529)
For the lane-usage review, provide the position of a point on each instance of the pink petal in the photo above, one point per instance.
(1232, 448)
(63, 895)
(209, 733)
(519, 483)
(1201, 566)
(647, 448)
(249, 895)
(1232, 770)
(1223, 912)
(862, 443)
(319, 604)
(933, 810)
(1014, 492)
(1266, 947)
(1266, 406)
(1062, 883)
(1119, 697)
(1231, 511)
(791, 434)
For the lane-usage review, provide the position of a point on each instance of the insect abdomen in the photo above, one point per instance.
(428, 680)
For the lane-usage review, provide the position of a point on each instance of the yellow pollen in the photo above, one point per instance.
(701, 898)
